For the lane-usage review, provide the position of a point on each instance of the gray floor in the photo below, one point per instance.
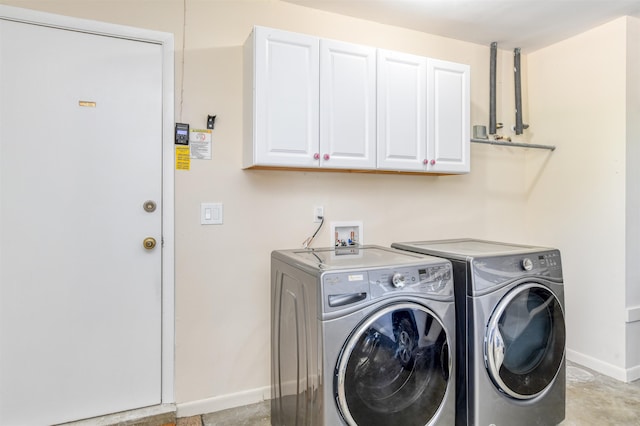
(592, 399)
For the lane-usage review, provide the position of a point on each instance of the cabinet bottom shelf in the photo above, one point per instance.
(366, 171)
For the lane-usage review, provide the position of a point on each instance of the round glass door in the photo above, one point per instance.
(394, 369)
(525, 341)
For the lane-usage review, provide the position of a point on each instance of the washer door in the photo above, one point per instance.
(525, 341)
(394, 369)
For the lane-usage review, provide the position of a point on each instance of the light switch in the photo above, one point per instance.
(211, 214)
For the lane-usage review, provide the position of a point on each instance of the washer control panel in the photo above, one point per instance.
(344, 291)
(435, 279)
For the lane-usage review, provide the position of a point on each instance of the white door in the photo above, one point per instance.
(402, 111)
(286, 91)
(80, 153)
(347, 105)
(449, 120)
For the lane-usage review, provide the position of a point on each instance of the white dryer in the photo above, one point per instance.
(362, 336)
(511, 331)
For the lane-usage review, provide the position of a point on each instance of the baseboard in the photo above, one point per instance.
(633, 373)
(633, 314)
(155, 414)
(598, 365)
(223, 402)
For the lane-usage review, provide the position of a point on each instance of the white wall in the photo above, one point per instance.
(577, 196)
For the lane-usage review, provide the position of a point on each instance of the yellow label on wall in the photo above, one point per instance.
(183, 158)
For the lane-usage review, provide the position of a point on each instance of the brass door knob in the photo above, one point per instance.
(149, 243)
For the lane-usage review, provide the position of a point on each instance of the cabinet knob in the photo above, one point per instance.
(425, 161)
(433, 162)
(326, 157)
(316, 156)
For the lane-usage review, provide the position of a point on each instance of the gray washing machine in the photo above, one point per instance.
(511, 331)
(361, 336)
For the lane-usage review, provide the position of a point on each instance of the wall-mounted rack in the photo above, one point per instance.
(517, 144)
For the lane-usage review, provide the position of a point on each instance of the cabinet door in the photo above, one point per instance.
(448, 96)
(347, 105)
(402, 111)
(285, 99)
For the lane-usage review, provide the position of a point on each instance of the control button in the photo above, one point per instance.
(527, 264)
(397, 280)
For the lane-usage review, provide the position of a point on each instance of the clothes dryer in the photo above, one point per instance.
(511, 331)
(362, 336)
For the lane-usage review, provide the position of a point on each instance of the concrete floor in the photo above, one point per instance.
(592, 399)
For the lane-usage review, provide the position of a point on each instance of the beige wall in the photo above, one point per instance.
(576, 197)
(223, 272)
(632, 296)
(572, 198)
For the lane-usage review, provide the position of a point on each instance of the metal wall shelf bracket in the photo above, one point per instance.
(516, 144)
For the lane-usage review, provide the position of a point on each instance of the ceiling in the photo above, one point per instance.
(527, 24)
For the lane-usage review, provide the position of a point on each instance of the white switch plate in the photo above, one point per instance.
(211, 213)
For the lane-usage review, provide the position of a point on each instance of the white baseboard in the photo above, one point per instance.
(223, 402)
(633, 373)
(633, 314)
(605, 368)
(126, 417)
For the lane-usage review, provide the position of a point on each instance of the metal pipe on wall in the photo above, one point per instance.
(518, 89)
(492, 88)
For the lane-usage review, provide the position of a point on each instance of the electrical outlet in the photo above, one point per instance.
(318, 214)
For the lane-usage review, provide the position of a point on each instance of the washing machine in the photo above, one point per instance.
(361, 336)
(511, 331)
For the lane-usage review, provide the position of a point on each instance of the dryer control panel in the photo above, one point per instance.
(550, 261)
(494, 271)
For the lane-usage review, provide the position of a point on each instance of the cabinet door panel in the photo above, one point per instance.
(347, 105)
(448, 134)
(402, 111)
(286, 98)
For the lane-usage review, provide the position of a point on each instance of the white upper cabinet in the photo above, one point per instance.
(347, 105)
(449, 101)
(423, 114)
(281, 99)
(317, 103)
(402, 111)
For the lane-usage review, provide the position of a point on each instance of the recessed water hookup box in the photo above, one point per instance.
(348, 233)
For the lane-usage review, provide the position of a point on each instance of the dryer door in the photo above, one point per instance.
(525, 341)
(394, 369)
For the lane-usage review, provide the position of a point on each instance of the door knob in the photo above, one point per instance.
(149, 243)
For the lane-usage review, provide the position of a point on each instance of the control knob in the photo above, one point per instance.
(527, 264)
(397, 280)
